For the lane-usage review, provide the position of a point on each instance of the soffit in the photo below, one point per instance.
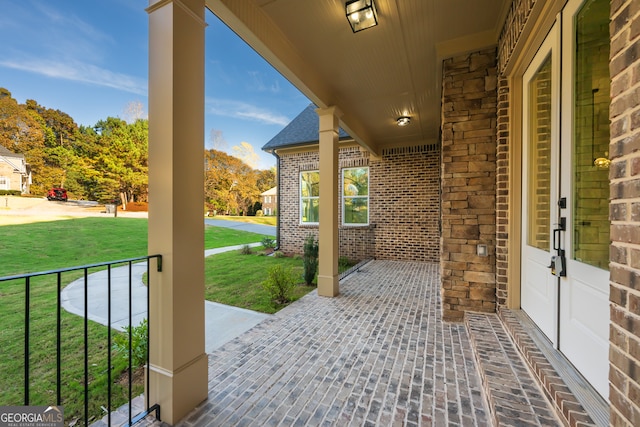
(373, 76)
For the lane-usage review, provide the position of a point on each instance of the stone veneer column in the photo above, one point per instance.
(468, 184)
(624, 213)
(328, 224)
(178, 363)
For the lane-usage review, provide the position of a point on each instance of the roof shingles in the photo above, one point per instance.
(302, 130)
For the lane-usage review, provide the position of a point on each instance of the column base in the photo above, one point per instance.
(328, 286)
(180, 391)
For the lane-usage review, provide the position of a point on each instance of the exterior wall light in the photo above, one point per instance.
(403, 121)
(361, 14)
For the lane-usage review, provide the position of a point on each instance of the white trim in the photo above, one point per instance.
(300, 198)
(343, 197)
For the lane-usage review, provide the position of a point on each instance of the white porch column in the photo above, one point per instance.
(178, 371)
(329, 199)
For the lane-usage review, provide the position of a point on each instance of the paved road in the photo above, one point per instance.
(222, 322)
(269, 230)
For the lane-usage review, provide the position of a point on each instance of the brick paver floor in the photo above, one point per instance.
(378, 354)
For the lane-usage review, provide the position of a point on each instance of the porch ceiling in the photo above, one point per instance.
(373, 76)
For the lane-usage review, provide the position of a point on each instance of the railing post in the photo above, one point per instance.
(27, 303)
(58, 342)
(86, 346)
(109, 379)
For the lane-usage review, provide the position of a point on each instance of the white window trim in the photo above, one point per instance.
(342, 196)
(5, 183)
(300, 198)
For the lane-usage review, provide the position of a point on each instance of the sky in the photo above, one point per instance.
(89, 59)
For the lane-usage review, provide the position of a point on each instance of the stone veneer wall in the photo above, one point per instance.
(624, 213)
(404, 204)
(469, 103)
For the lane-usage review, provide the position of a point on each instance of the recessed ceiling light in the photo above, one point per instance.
(403, 121)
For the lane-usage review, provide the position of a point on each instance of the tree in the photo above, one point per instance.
(230, 184)
(23, 131)
(123, 160)
(266, 179)
(245, 152)
(216, 140)
(134, 111)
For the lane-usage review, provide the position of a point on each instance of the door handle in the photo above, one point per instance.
(558, 261)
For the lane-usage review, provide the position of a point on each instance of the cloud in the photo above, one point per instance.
(242, 110)
(257, 83)
(71, 24)
(80, 72)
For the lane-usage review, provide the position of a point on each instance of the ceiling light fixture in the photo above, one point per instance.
(403, 121)
(361, 14)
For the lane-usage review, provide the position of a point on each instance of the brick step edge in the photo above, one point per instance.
(566, 405)
(512, 393)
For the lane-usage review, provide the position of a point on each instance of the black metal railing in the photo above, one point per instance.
(27, 278)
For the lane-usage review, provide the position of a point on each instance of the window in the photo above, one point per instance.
(4, 183)
(355, 196)
(309, 197)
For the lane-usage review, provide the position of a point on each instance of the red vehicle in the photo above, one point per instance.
(57, 194)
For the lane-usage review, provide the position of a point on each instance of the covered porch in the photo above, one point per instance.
(378, 354)
(462, 73)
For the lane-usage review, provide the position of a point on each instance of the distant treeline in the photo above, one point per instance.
(109, 161)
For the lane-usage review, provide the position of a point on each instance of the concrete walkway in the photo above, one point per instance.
(222, 322)
(269, 230)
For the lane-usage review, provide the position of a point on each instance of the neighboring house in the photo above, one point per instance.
(401, 186)
(15, 173)
(519, 172)
(269, 200)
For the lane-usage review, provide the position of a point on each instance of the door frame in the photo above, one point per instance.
(549, 48)
(541, 19)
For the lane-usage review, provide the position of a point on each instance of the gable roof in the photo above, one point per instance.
(6, 152)
(270, 192)
(302, 130)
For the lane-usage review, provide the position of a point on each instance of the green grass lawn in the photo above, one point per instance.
(241, 286)
(34, 247)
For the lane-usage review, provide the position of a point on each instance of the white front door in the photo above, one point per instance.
(565, 188)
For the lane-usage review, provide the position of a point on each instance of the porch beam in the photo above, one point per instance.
(178, 362)
(329, 198)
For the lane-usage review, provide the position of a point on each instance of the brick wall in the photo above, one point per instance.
(624, 213)
(292, 233)
(502, 193)
(404, 204)
(469, 103)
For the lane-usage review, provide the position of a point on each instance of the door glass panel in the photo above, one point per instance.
(591, 135)
(539, 158)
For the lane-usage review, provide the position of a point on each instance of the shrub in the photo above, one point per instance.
(259, 212)
(139, 344)
(268, 243)
(10, 192)
(344, 263)
(246, 250)
(279, 254)
(310, 259)
(279, 284)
